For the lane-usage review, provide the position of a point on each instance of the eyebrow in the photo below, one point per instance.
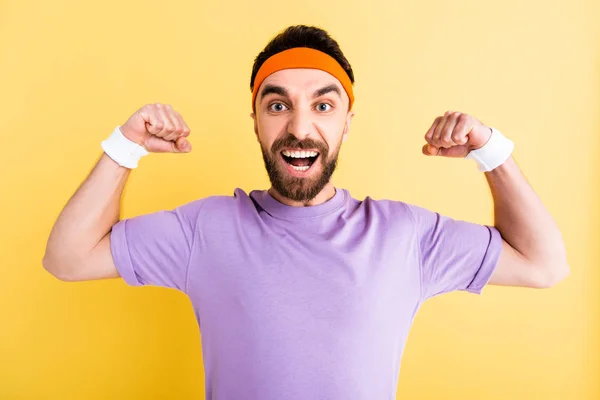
(273, 89)
(280, 90)
(328, 89)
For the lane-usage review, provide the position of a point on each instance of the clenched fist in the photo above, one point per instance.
(159, 129)
(455, 135)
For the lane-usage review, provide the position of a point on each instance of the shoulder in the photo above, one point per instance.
(218, 206)
(399, 212)
(387, 207)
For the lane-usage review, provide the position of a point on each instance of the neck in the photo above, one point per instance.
(324, 195)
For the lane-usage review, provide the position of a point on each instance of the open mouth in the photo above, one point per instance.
(300, 160)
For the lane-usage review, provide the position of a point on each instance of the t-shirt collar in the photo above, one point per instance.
(284, 211)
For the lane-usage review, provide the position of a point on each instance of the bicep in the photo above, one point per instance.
(150, 249)
(514, 269)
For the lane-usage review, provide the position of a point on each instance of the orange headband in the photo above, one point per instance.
(302, 57)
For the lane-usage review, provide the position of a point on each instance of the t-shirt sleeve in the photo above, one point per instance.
(155, 249)
(455, 254)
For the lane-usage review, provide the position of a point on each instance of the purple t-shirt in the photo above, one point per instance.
(304, 302)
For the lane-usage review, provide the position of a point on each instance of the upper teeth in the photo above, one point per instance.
(300, 154)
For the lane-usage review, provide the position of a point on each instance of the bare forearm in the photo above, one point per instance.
(88, 216)
(522, 219)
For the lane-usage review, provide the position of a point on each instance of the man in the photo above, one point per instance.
(301, 291)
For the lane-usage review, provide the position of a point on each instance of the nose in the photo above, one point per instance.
(300, 124)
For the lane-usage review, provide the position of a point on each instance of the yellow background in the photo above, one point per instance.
(71, 71)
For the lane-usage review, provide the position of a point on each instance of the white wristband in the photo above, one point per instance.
(494, 153)
(125, 152)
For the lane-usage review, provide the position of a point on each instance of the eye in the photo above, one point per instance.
(277, 107)
(323, 107)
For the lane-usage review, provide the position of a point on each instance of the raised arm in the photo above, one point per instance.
(533, 253)
(78, 247)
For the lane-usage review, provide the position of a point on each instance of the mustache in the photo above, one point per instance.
(291, 141)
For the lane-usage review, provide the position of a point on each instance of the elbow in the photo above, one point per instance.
(551, 275)
(560, 274)
(552, 267)
(56, 268)
(51, 267)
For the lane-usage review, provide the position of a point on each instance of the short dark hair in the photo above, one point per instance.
(302, 36)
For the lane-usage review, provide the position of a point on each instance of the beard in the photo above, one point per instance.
(292, 187)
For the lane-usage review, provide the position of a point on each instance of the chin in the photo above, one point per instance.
(299, 185)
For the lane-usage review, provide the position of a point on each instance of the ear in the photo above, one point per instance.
(253, 116)
(347, 127)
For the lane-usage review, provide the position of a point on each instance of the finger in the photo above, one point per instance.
(178, 126)
(181, 145)
(437, 133)
(151, 117)
(448, 131)
(461, 129)
(168, 124)
(185, 129)
(430, 150)
(429, 134)
(159, 145)
(182, 128)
